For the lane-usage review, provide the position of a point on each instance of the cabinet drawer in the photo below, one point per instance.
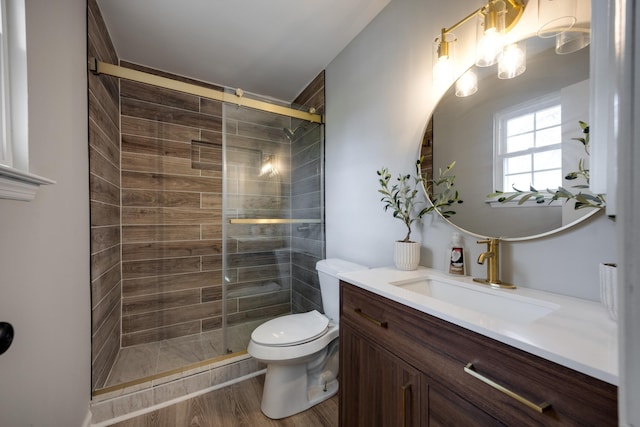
(442, 350)
(384, 321)
(445, 408)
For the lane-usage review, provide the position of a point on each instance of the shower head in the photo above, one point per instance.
(292, 133)
(289, 133)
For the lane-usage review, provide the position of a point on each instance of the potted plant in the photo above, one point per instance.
(403, 200)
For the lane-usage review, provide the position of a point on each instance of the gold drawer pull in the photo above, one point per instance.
(406, 390)
(370, 319)
(469, 369)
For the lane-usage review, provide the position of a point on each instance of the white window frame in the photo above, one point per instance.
(6, 157)
(16, 182)
(499, 146)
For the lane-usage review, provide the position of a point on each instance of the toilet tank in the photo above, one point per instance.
(328, 270)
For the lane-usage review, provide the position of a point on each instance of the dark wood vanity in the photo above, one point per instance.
(402, 367)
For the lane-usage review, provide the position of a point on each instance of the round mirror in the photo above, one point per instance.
(516, 133)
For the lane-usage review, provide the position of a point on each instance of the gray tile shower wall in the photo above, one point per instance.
(104, 182)
(307, 194)
(258, 263)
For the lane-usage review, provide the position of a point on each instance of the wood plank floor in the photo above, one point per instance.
(234, 406)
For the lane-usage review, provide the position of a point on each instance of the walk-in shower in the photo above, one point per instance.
(215, 226)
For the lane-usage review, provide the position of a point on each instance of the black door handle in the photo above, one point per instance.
(6, 336)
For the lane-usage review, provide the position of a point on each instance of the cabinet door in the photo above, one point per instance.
(376, 387)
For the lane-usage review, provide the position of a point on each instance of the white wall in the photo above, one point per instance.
(379, 97)
(44, 244)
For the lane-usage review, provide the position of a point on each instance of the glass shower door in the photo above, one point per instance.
(257, 235)
(273, 214)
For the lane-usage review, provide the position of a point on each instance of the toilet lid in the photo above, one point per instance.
(291, 329)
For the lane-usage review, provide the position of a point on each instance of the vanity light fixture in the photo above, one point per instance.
(467, 84)
(558, 18)
(513, 60)
(495, 18)
(443, 72)
(490, 29)
(573, 40)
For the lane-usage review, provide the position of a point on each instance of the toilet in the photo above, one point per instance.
(301, 350)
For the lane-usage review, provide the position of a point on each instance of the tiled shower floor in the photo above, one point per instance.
(140, 361)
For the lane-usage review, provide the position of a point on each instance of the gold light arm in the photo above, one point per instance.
(463, 20)
(515, 9)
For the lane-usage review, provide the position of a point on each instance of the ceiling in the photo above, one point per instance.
(273, 48)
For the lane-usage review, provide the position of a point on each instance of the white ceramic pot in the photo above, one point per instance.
(406, 255)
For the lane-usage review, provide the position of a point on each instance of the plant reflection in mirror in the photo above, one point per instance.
(402, 198)
(583, 199)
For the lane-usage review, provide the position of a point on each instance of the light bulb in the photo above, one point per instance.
(513, 61)
(490, 29)
(443, 72)
(443, 61)
(467, 84)
(489, 48)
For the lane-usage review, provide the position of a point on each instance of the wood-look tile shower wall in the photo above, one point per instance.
(172, 214)
(259, 266)
(104, 181)
(307, 201)
(156, 212)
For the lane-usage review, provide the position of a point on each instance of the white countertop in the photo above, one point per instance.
(578, 334)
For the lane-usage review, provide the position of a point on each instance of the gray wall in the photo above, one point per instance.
(379, 97)
(44, 255)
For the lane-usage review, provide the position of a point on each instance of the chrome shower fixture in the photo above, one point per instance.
(292, 133)
(289, 133)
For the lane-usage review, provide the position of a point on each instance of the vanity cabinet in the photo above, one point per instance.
(399, 365)
(388, 397)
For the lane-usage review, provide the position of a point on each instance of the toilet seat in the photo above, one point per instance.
(292, 329)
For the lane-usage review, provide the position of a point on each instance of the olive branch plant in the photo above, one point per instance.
(583, 199)
(403, 201)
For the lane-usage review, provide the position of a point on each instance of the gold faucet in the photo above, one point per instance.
(493, 265)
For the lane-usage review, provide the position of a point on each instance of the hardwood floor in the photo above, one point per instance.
(234, 406)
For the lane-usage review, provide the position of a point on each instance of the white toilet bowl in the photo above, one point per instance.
(301, 350)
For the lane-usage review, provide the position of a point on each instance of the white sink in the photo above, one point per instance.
(503, 304)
